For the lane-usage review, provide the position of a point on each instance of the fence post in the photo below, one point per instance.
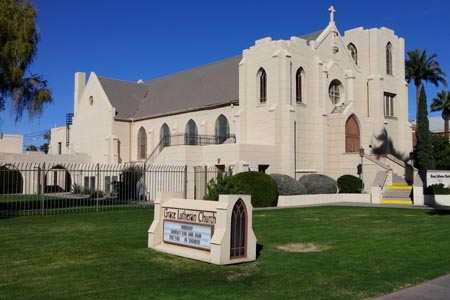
(195, 182)
(43, 189)
(206, 180)
(97, 187)
(185, 182)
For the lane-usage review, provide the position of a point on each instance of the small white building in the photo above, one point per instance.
(303, 105)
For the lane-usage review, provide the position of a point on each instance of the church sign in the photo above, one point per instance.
(218, 232)
(436, 177)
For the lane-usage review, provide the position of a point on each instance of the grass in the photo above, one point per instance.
(364, 252)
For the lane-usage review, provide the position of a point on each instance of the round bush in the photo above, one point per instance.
(349, 184)
(286, 185)
(437, 189)
(319, 184)
(260, 186)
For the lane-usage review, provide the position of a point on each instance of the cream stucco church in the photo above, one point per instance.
(297, 106)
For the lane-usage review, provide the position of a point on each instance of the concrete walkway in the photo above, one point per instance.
(436, 289)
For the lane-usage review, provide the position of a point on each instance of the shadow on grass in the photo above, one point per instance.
(259, 248)
(439, 212)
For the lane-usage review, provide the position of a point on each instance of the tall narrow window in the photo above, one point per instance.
(238, 243)
(389, 104)
(262, 77)
(190, 135)
(352, 135)
(299, 85)
(389, 59)
(353, 52)
(222, 129)
(142, 143)
(164, 135)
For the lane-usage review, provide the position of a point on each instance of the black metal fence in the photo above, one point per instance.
(203, 175)
(32, 188)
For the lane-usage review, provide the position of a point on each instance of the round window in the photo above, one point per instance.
(91, 100)
(335, 91)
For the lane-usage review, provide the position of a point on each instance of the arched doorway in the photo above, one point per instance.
(11, 180)
(238, 243)
(57, 180)
(352, 135)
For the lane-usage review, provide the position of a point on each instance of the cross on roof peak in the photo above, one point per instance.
(332, 11)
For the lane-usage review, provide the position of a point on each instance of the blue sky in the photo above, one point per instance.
(133, 40)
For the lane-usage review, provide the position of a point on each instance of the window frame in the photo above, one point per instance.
(262, 86)
(389, 104)
(353, 52)
(142, 143)
(299, 86)
(335, 91)
(389, 63)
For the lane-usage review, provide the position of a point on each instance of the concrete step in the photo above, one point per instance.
(397, 201)
(399, 187)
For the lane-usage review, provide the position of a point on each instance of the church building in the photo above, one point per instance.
(317, 103)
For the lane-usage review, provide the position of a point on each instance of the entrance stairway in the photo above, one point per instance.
(397, 193)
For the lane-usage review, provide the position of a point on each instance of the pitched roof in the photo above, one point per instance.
(311, 36)
(124, 96)
(206, 86)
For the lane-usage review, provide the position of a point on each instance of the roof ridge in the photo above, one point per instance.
(122, 80)
(193, 68)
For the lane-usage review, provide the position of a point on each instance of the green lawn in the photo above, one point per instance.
(368, 251)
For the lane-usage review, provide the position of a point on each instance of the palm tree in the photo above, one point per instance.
(442, 102)
(420, 68)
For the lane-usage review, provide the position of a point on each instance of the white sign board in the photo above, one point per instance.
(187, 234)
(436, 177)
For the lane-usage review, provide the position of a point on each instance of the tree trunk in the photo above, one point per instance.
(417, 101)
(446, 127)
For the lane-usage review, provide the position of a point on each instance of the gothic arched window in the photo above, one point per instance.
(238, 243)
(142, 143)
(389, 69)
(164, 135)
(190, 134)
(353, 52)
(299, 90)
(262, 79)
(222, 129)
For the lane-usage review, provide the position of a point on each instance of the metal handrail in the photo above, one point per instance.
(187, 139)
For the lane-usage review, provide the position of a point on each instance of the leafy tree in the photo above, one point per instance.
(441, 153)
(44, 148)
(442, 102)
(418, 68)
(423, 153)
(18, 48)
(31, 148)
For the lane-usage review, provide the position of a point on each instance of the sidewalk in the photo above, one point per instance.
(436, 289)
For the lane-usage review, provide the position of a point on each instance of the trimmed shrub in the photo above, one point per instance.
(319, 184)
(286, 185)
(437, 189)
(260, 186)
(127, 187)
(222, 185)
(349, 184)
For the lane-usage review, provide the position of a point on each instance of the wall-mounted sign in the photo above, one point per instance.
(188, 234)
(436, 177)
